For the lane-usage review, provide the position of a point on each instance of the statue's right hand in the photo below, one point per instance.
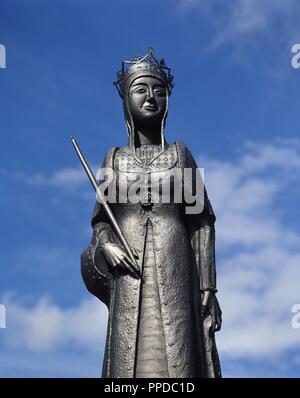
(116, 256)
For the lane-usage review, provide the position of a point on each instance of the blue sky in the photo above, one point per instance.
(236, 106)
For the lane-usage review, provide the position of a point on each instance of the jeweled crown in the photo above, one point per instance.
(147, 65)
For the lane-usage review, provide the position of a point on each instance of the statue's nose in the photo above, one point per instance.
(150, 95)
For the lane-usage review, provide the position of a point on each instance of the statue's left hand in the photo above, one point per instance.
(210, 305)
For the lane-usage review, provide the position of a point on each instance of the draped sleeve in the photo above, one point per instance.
(94, 269)
(201, 225)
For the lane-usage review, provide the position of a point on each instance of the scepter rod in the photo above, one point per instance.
(104, 203)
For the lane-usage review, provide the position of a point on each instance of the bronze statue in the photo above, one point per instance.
(160, 293)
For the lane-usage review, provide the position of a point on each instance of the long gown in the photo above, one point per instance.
(154, 325)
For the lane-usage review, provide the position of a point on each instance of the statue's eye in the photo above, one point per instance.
(140, 90)
(160, 93)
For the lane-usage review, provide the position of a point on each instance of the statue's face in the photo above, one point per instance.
(147, 99)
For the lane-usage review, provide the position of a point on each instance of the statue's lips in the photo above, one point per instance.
(150, 108)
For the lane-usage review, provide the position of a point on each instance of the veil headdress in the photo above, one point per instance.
(139, 66)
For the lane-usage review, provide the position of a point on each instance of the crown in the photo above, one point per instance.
(147, 65)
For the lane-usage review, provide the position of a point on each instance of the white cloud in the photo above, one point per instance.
(65, 178)
(61, 178)
(259, 253)
(257, 291)
(245, 194)
(47, 327)
(60, 363)
(238, 19)
(64, 181)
